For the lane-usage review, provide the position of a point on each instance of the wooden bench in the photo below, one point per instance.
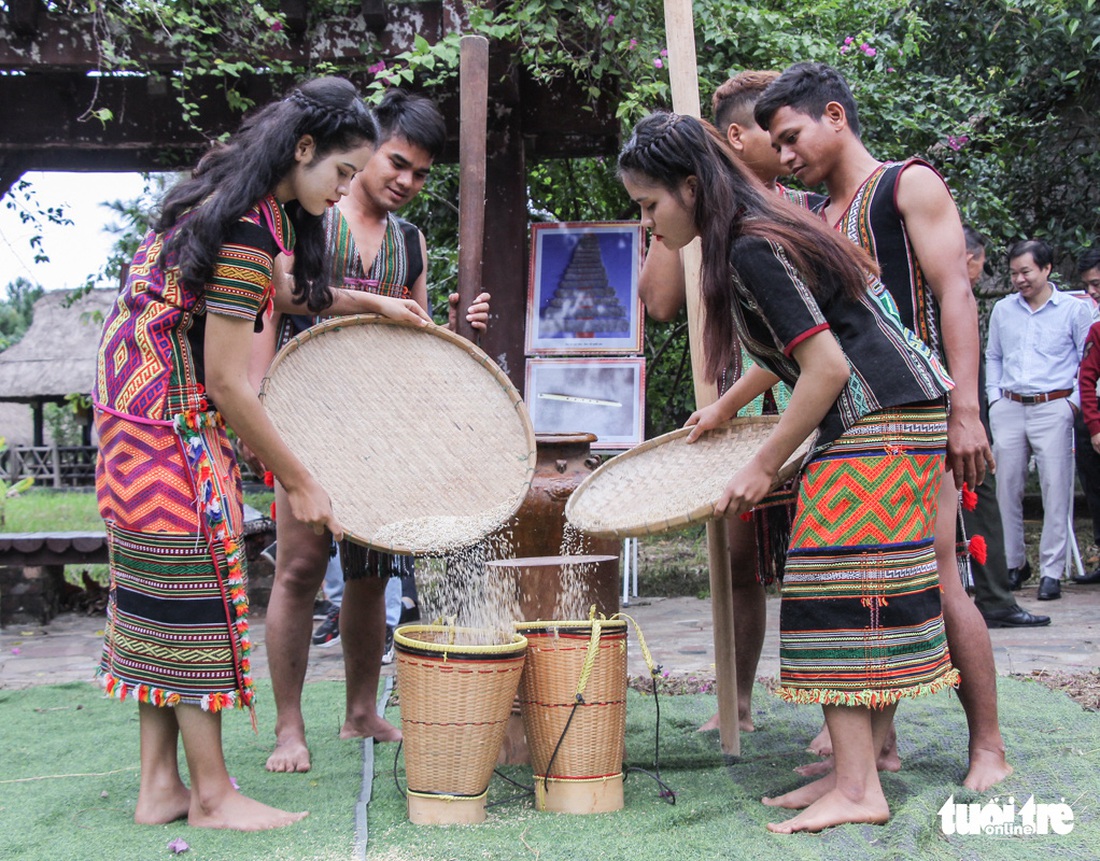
(32, 570)
(32, 566)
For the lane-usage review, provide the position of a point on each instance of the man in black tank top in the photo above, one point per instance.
(905, 217)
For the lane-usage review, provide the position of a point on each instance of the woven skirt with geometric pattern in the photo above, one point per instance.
(177, 629)
(860, 619)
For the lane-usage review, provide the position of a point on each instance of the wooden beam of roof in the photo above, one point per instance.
(43, 129)
(66, 42)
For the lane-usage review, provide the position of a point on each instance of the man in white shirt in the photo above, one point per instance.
(1036, 338)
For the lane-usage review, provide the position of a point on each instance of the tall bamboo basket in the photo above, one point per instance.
(573, 702)
(455, 704)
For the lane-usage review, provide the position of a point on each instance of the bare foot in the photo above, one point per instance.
(237, 812)
(372, 726)
(744, 722)
(804, 796)
(161, 806)
(987, 767)
(290, 755)
(822, 745)
(815, 769)
(888, 759)
(834, 808)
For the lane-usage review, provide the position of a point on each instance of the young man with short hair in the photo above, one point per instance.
(904, 216)
(371, 250)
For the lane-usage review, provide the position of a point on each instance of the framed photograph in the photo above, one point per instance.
(588, 395)
(583, 288)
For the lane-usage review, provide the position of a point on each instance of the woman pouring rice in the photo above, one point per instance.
(860, 625)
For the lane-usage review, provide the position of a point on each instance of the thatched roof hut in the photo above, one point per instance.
(57, 355)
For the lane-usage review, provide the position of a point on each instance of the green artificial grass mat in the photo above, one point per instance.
(69, 781)
(1054, 745)
(68, 784)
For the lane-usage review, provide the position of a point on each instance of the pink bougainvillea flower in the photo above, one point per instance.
(659, 63)
(380, 66)
(870, 52)
(178, 846)
(849, 39)
(664, 52)
(957, 142)
(890, 69)
(610, 19)
(633, 44)
(844, 49)
(276, 26)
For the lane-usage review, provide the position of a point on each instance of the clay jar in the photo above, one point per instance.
(562, 462)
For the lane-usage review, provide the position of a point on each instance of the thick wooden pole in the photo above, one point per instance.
(473, 81)
(684, 78)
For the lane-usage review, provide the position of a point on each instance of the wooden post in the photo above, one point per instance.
(684, 78)
(473, 82)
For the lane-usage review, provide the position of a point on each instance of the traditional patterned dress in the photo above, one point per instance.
(772, 516)
(860, 623)
(393, 271)
(167, 481)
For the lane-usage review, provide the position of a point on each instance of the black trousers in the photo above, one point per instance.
(1088, 470)
(991, 592)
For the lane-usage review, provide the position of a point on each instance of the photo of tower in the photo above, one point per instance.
(584, 304)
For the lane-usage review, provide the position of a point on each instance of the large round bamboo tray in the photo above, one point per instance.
(419, 438)
(666, 484)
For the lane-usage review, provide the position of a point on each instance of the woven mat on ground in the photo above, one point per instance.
(64, 746)
(1054, 744)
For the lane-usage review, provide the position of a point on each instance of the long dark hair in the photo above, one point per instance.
(234, 175)
(665, 149)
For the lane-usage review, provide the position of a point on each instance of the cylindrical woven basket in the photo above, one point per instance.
(455, 703)
(419, 438)
(665, 484)
(578, 769)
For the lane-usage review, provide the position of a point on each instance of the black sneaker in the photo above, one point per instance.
(322, 608)
(328, 632)
(389, 653)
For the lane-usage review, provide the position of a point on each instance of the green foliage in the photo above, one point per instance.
(21, 200)
(214, 39)
(1000, 96)
(17, 310)
(13, 490)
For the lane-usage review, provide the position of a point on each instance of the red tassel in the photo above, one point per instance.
(272, 510)
(269, 479)
(745, 516)
(969, 498)
(978, 549)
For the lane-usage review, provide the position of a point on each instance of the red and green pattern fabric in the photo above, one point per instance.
(860, 622)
